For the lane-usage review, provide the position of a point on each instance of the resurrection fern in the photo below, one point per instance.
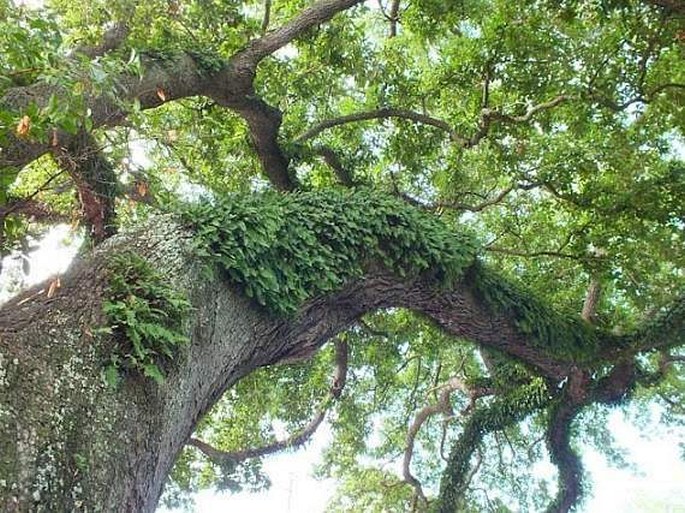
(284, 249)
(146, 314)
(503, 411)
(565, 336)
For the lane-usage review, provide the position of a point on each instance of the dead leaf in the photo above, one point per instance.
(54, 286)
(161, 94)
(24, 126)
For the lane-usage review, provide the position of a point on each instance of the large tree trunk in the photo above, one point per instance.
(69, 442)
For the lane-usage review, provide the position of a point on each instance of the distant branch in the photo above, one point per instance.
(337, 385)
(494, 114)
(532, 254)
(480, 206)
(442, 405)
(384, 113)
(487, 116)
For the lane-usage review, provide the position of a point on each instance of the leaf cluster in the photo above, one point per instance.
(146, 315)
(285, 249)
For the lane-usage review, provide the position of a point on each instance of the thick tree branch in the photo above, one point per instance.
(331, 158)
(231, 336)
(264, 122)
(394, 17)
(171, 79)
(502, 412)
(589, 312)
(177, 78)
(318, 13)
(112, 39)
(565, 458)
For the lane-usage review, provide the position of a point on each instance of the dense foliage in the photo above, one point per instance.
(551, 132)
(284, 250)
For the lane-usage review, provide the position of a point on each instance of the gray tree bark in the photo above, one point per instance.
(68, 442)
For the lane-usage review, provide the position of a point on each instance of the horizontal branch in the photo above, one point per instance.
(484, 125)
(384, 113)
(494, 114)
(533, 254)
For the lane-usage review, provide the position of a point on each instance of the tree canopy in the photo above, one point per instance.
(509, 175)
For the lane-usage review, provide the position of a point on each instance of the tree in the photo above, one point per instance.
(470, 211)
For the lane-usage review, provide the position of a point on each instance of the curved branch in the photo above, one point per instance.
(565, 458)
(487, 116)
(498, 198)
(384, 113)
(337, 385)
(442, 405)
(502, 412)
(180, 77)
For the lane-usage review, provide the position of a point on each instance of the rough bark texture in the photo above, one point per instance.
(68, 442)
